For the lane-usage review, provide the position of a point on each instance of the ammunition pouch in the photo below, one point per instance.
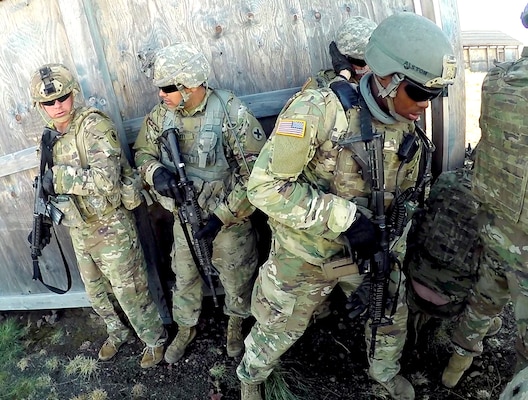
(72, 217)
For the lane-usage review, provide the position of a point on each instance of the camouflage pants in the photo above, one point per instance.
(286, 293)
(234, 256)
(111, 263)
(503, 275)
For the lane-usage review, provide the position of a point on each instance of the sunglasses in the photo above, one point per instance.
(168, 89)
(61, 99)
(417, 92)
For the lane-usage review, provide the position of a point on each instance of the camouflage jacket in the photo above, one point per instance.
(308, 184)
(96, 189)
(222, 192)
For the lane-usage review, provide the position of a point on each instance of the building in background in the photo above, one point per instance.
(483, 48)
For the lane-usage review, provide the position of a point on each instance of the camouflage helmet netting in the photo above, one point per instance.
(353, 36)
(414, 46)
(180, 64)
(60, 82)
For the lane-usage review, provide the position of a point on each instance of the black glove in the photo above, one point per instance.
(339, 61)
(358, 301)
(210, 230)
(164, 182)
(362, 236)
(47, 183)
(45, 235)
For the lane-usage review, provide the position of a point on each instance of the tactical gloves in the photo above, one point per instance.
(362, 236)
(339, 61)
(164, 182)
(47, 183)
(211, 229)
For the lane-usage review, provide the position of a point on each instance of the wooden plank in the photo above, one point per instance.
(18, 161)
(44, 301)
(448, 114)
(267, 104)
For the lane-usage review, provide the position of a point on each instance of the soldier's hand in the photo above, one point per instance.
(211, 229)
(339, 61)
(362, 236)
(47, 183)
(164, 182)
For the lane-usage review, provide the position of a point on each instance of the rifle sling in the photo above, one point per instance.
(37, 274)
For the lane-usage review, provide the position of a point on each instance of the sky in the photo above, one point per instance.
(502, 15)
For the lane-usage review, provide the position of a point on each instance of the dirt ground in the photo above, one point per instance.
(328, 362)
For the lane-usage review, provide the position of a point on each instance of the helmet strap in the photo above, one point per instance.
(389, 93)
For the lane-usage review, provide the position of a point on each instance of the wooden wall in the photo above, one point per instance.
(254, 46)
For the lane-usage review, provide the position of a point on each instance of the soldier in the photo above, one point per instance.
(308, 179)
(499, 182)
(219, 139)
(347, 53)
(84, 183)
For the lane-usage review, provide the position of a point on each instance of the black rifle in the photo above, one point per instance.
(45, 213)
(189, 212)
(380, 262)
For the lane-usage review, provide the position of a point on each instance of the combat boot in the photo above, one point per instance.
(177, 348)
(495, 326)
(109, 349)
(235, 340)
(151, 356)
(455, 369)
(249, 391)
(399, 388)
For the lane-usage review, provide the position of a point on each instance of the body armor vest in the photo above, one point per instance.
(501, 165)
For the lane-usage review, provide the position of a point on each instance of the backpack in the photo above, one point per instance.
(443, 246)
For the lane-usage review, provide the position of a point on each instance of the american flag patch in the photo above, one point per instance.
(291, 127)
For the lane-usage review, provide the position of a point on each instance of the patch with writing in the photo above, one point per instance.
(291, 127)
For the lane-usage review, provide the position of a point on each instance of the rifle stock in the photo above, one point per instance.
(189, 211)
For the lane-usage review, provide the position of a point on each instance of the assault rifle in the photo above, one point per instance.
(189, 212)
(380, 262)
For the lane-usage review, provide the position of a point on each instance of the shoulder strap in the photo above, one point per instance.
(37, 275)
(79, 138)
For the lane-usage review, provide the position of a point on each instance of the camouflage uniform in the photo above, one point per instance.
(500, 176)
(234, 248)
(103, 232)
(310, 186)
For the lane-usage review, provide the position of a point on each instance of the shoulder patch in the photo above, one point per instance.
(258, 134)
(291, 127)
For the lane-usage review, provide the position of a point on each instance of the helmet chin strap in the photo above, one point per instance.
(185, 98)
(389, 93)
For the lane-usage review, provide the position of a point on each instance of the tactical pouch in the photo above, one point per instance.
(341, 267)
(131, 191)
(66, 204)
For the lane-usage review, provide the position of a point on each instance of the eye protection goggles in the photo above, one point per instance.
(168, 89)
(418, 93)
(61, 99)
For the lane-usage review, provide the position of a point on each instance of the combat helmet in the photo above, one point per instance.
(524, 16)
(180, 64)
(353, 36)
(50, 82)
(412, 46)
(517, 388)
